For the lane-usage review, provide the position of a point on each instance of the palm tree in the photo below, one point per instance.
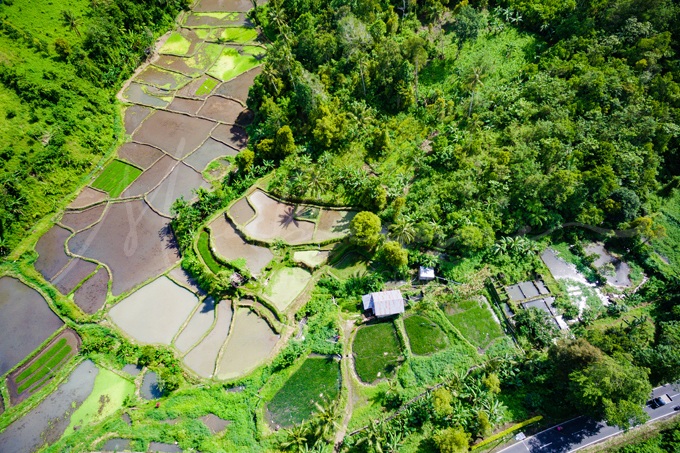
(403, 230)
(71, 21)
(325, 420)
(317, 183)
(474, 80)
(296, 438)
(373, 436)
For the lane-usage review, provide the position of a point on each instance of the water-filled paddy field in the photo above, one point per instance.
(285, 285)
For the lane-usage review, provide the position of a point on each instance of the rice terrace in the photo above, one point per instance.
(352, 227)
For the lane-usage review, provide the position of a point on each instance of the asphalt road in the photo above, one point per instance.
(581, 432)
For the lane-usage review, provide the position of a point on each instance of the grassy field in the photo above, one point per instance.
(206, 254)
(107, 396)
(475, 322)
(116, 177)
(318, 379)
(377, 351)
(667, 248)
(43, 365)
(424, 336)
(350, 265)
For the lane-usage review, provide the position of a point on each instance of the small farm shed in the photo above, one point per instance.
(385, 303)
(426, 273)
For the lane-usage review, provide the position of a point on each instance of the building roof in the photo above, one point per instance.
(426, 273)
(384, 303)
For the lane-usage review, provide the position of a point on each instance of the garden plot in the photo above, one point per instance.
(231, 246)
(198, 325)
(202, 358)
(181, 182)
(475, 321)
(239, 35)
(91, 295)
(208, 152)
(87, 197)
(116, 177)
(46, 423)
(174, 133)
(142, 156)
(424, 335)
(182, 105)
(350, 265)
(239, 87)
(37, 372)
(132, 240)
(311, 258)
(214, 423)
(206, 21)
(77, 221)
(316, 381)
(220, 109)
(140, 94)
(285, 285)
(151, 177)
(277, 220)
(155, 312)
(251, 342)
(241, 212)
(162, 79)
(133, 117)
(232, 64)
(376, 351)
(107, 396)
(583, 293)
(333, 225)
(192, 66)
(234, 136)
(73, 273)
(199, 88)
(224, 5)
(182, 43)
(51, 250)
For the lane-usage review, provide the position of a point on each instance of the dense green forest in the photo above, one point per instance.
(58, 114)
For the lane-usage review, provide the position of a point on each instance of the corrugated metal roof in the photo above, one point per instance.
(384, 303)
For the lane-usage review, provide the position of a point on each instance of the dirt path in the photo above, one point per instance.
(345, 367)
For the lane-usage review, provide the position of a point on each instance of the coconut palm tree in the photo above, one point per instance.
(403, 230)
(296, 438)
(71, 21)
(325, 421)
(474, 81)
(373, 436)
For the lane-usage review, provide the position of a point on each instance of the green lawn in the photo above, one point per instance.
(318, 379)
(377, 351)
(107, 396)
(44, 365)
(116, 177)
(350, 265)
(475, 322)
(424, 336)
(206, 254)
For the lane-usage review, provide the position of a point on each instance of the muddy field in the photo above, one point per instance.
(174, 133)
(250, 343)
(238, 88)
(151, 178)
(133, 117)
(80, 220)
(234, 136)
(333, 225)
(182, 105)
(276, 220)
(285, 285)
(87, 197)
(207, 152)
(132, 240)
(223, 5)
(241, 212)
(181, 182)
(91, 295)
(140, 94)
(221, 109)
(202, 358)
(46, 423)
(198, 325)
(73, 341)
(142, 156)
(52, 255)
(75, 272)
(25, 322)
(155, 312)
(231, 246)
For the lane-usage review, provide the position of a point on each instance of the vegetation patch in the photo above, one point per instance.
(350, 265)
(475, 321)
(377, 352)
(116, 177)
(424, 335)
(239, 34)
(231, 64)
(108, 395)
(285, 285)
(176, 44)
(316, 381)
(203, 245)
(206, 87)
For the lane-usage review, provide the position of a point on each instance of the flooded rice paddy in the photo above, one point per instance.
(230, 245)
(87, 197)
(285, 285)
(241, 212)
(142, 156)
(91, 296)
(155, 312)
(25, 322)
(72, 274)
(251, 342)
(181, 182)
(80, 220)
(198, 325)
(202, 358)
(52, 255)
(150, 389)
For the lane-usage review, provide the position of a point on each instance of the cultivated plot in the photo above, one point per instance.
(133, 117)
(424, 335)
(241, 212)
(202, 358)
(142, 156)
(285, 285)
(277, 220)
(201, 321)
(231, 246)
(239, 87)
(132, 240)
(234, 136)
(87, 197)
(475, 321)
(116, 177)
(181, 182)
(73, 273)
(91, 295)
(183, 105)
(333, 225)
(151, 177)
(208, 152)
(80, 220)
(136, 93)
(174, 133)
(376, 351)
(155, 312)
(311, 258)
(232, 64)
(51, 250)
(251, 342)
(25, 322)
(220, 109)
